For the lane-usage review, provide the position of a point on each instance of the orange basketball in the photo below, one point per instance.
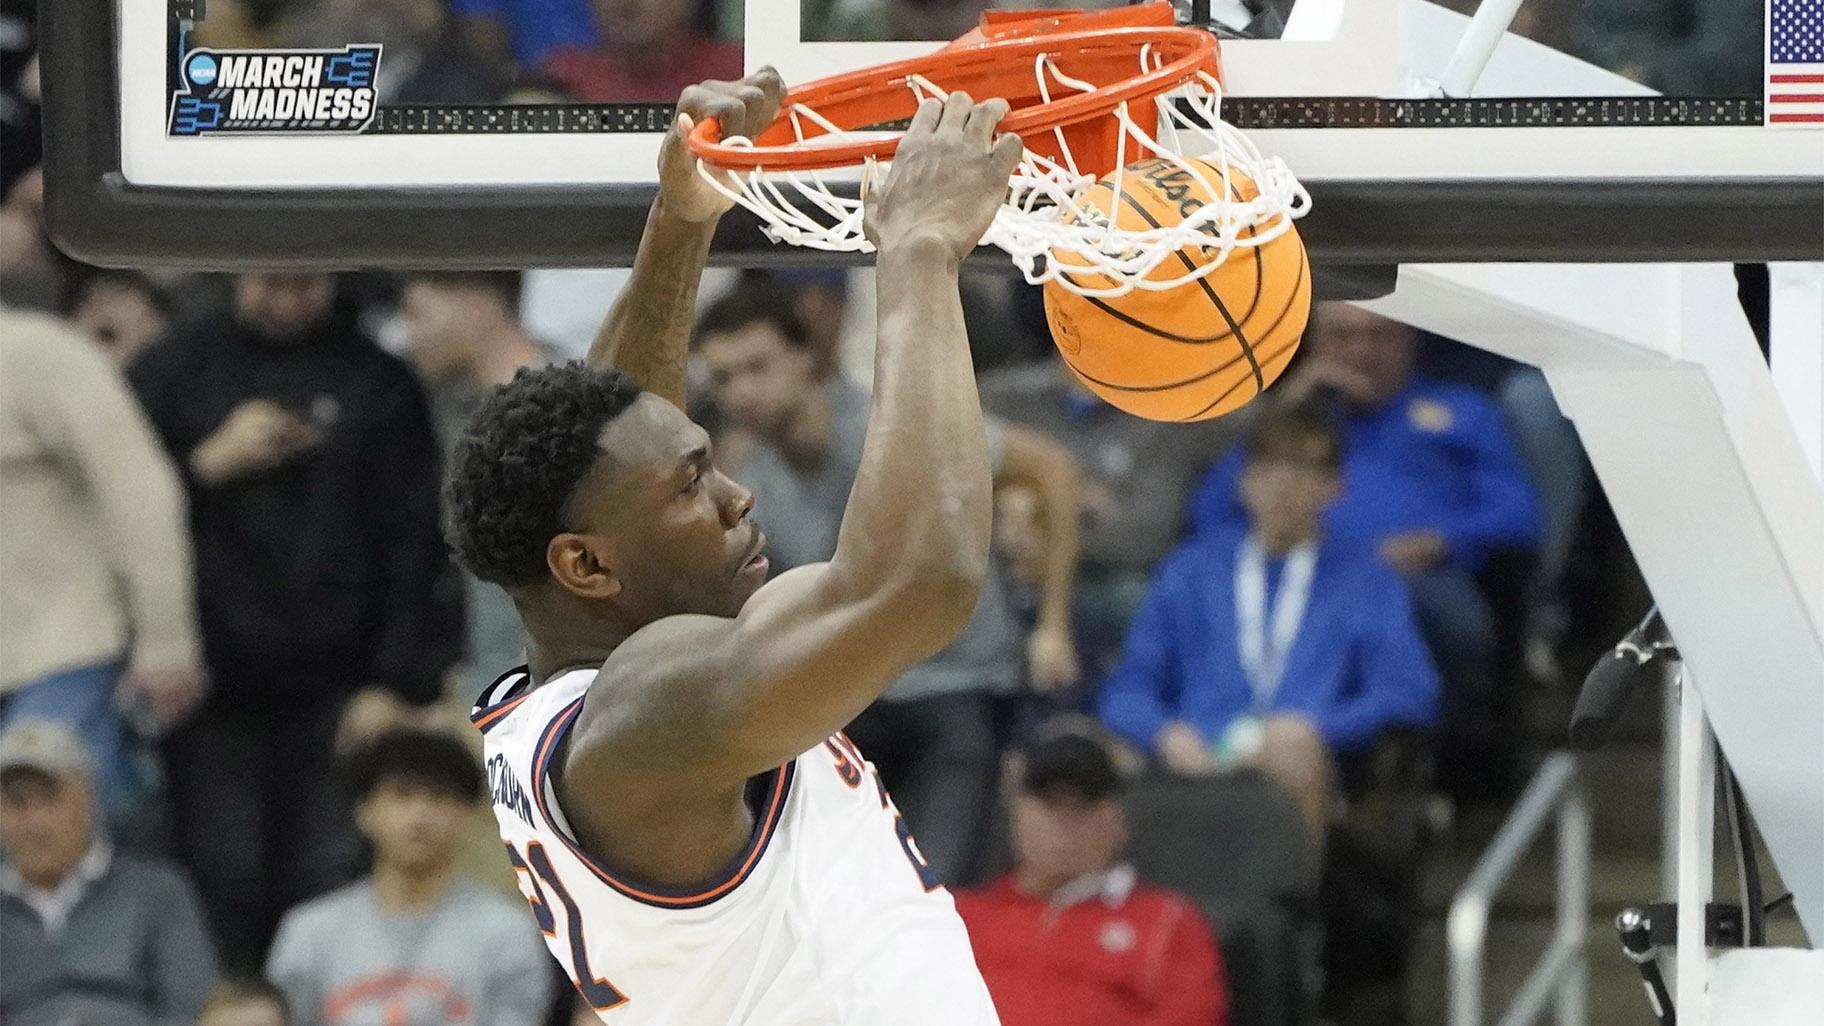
(1192, 352)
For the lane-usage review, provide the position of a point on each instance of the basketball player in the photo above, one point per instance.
(698, 841)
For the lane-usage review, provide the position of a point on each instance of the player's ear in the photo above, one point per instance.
(579, 562)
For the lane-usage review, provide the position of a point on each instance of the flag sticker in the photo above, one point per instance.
(1795, 63)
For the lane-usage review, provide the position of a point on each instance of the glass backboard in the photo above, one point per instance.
(490, 131)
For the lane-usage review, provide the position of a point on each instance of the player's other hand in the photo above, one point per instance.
(948, 178)
(741, 108)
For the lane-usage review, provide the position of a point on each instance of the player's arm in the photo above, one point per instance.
(704, 701)
(647, 333)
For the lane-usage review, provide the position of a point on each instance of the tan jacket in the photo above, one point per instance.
(94, 541)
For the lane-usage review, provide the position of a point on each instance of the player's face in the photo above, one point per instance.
(1058, 839)
(44, 824)
(673, 531)
(413, 827)
(760, 379)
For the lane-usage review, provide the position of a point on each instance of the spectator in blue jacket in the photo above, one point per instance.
(1273, 642)
(1430, 480)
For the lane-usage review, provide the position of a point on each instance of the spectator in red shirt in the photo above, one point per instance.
(1070, 937)
(649, 51)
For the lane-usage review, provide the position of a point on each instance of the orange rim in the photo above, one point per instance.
(882, 95)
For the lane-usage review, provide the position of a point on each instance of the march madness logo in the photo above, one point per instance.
(276, 91)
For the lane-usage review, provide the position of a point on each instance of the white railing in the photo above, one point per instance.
(1554, 793)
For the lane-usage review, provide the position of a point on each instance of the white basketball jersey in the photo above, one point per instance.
(828, 917)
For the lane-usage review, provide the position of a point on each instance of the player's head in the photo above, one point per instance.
(451, 315)
(413, 791)
(577, 487)
(244, 1001)
(1379, 351)
(283, 306)
(760, 359)
(46, 801)
(1293, 471)
(1068, 819)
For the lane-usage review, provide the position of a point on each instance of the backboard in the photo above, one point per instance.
(1537, 152)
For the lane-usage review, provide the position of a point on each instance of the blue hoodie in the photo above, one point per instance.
(1357, 664)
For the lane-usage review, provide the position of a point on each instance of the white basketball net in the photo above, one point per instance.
(1045, 213)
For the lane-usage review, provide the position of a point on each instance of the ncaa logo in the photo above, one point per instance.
(201, 69)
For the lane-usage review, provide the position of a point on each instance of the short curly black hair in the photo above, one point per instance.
(526, 449)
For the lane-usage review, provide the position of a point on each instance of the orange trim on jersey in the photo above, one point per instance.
(488, 717)
(764, 827)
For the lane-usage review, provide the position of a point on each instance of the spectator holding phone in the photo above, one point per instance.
(327, 603)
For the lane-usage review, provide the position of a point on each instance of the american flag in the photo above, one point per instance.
(1795, 62)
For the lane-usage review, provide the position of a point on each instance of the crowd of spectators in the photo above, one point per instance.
(275, 735)
(232, 639)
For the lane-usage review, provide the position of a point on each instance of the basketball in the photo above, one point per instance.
(1196, 351)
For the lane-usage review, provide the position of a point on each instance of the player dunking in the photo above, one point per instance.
(699, 843)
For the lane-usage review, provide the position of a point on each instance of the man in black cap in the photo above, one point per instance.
(1070, 936)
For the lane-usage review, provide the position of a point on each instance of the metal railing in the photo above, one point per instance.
(1554, 793)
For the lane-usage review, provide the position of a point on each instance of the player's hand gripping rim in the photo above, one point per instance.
(949, 178)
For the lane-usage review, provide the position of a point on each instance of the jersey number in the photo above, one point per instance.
(536, 866)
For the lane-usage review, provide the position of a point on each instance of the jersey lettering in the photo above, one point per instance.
(505, 791)
(536, 866)
(848, 766)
